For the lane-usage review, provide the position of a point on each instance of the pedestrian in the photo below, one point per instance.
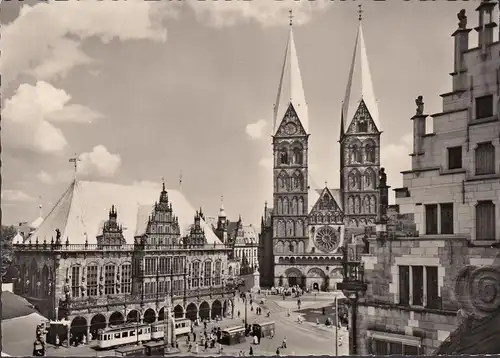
(278, 351)
(251, 351)
(251, 308)
(283, 345)
(239, 313)
(206, 345)
(196, 348)
(323, 310)
(194, 336)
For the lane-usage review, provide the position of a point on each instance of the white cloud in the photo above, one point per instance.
(16, 196)
(45, 177)
(256, 130)
(266, 12)
(99, 162)
(266, 162)
(29, 115)
(44, 40)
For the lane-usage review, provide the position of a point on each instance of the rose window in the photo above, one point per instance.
(326, 239)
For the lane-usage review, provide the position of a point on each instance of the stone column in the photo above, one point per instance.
(88, 333)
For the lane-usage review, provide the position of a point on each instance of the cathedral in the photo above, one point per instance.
(303, 231)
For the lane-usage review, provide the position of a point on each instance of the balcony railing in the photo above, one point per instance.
(67, 247)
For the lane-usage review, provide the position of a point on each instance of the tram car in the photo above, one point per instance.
(131, 333)
(123, 335)
(182, 327)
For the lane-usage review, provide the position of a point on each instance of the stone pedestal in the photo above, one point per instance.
(256, 280)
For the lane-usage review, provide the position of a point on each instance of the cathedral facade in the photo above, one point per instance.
(303, 233)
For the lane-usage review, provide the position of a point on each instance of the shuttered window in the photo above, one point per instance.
(485, 220)
(431, 216)
(418, 285)
(433, 300)
(485, 158)
(446, 218)
(404, 285)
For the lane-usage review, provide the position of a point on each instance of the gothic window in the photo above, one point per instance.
(355, 154)
(218, 271)
(350, 205)
(289, 228)
(109, 279)
(298, 181)
(195, 274)
(208, 273)
(291, 247)
(300, 247)
(354, 180)
(366, 205)
(280, 206)
(283, 156)
(299, 228)
(301, 206)
(92, 280)
(373, 204)
(294, 205)
(279, 247)
(356, 205)
(297, 155)
(369, 179)
(285, 206)
(283, 184)
(281, 228)
(75, 281)
(370, 152)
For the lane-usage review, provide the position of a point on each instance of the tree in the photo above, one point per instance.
(7, 235)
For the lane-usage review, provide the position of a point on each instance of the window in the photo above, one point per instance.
(362, 125)
(418, 286)
(380, 347)
(485, 158)
(92, 280)
(126, 278)
(75, 281)
(218, 270)
(195, 278)
(485, 220)
(404, 285)
(484, 107)
(432, 287)
(455, 157)
(208, 273)
(446, 218)
(431, 215)
(109, 279)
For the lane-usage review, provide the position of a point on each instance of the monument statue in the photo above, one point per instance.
(382, 178)
(420, 105)
(462, 19)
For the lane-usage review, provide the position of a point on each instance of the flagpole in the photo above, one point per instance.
(336, 327)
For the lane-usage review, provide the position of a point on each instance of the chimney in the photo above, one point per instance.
(418, 132)
(486, 25)
(461, 36)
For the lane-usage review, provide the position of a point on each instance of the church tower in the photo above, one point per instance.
(359, 141)
(290, 169)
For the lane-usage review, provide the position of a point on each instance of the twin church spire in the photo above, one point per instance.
(359, 85)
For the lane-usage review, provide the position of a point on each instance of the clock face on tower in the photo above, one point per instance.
(290, 128)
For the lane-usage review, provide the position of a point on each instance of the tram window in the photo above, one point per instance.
(132, 333)
(99, 337)
(109, 336)
(117, 335)
(139, 331)
(124, 334)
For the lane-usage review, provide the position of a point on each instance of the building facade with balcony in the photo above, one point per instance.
(106, 254)
(420, 286)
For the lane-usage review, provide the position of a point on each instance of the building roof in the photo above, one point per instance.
(19, 333)
(18, 239)
(14, 306)
(359, 84)
(290, 89)
(84, 206)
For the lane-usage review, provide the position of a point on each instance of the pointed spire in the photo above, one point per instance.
(222, 212)
(290, 89)
(359, 84)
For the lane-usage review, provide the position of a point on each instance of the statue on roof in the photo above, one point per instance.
(382, 178)
(420, 105)
(462, 19)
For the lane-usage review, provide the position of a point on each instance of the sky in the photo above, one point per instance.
(141, 91)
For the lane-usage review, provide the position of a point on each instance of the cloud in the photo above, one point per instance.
(99, 162)
(45, 177)
(44, 40)
(265, 12)
(29, 116)
(266, 162)
(16, 196)
(256, 130)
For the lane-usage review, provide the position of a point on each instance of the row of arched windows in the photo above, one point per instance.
(295, 206)
(365, 181)
(364, 205)
(290, 228)
(363, 152)
(327, 218)
(284, 247)
(290, 155)
(288, 183)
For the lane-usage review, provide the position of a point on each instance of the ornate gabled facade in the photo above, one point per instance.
(303, 232)
(128, 268)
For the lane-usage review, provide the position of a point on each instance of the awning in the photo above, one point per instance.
(395, 338)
